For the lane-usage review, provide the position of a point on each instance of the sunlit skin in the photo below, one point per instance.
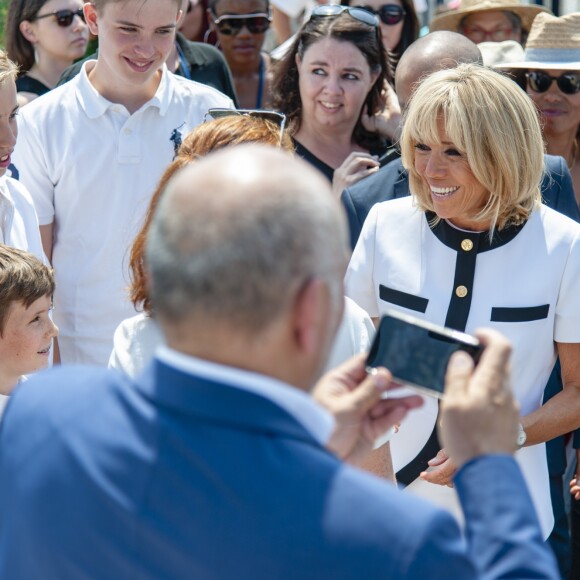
(8, 125)
(26, 341)
(456, 193)
(334, 81)
(490, 26)
(391, 35)
(135, 39)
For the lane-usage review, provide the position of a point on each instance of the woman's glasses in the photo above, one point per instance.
(279, 119)
(231, 24)
(390, 14)
(64, 18)
(359, 14)
(540, 82)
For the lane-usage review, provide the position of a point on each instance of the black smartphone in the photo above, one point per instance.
(416, 352)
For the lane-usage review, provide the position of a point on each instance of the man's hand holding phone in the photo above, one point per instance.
(356, 399)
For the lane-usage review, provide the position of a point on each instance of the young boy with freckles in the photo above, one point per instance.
(26, 328)
(91, 153)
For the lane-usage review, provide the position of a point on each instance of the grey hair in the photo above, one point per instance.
(243, 258)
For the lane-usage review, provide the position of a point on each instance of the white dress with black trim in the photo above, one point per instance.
(525, 282)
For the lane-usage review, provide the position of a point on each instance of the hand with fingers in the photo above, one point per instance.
(575, 481)
(388, 121)
(441, 470)
(354, 168)
(361, 411)
(479, 415)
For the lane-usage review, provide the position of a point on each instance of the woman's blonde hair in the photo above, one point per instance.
(490, 121)
(8, 70)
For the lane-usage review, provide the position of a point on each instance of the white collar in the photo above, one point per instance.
(316, 420)
(95, 105)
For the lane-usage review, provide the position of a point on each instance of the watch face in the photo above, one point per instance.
(521, 436)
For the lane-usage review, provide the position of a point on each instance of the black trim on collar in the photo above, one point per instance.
(453, 237)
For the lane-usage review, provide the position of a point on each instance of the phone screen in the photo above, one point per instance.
(417, 352)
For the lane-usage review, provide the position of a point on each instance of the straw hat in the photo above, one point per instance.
(450, 20)
(553, 43)
(503, 52)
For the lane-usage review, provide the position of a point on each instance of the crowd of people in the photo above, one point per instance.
(223, 226)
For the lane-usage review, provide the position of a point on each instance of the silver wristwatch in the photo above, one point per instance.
(521, 436)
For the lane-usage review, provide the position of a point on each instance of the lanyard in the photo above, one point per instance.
(183, 65)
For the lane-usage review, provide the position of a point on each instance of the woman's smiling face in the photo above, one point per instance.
(456, 193)
(334, 80)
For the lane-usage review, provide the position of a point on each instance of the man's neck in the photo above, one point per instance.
(126, 94)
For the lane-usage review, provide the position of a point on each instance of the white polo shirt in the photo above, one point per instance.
(91, 167)
(525, 283)
(18, 221)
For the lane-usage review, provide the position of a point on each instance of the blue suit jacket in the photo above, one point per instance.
(391, 182)
(174, 476)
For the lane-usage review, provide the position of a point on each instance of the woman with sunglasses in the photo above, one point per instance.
(329, 84)
(552, 64)
(399, 23)
(44, 37)
(240, 27)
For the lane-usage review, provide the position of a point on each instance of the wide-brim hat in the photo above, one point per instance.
(450, 20)
(553, 43)
(503, 52)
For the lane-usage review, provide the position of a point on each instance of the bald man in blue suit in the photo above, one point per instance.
(216, 463)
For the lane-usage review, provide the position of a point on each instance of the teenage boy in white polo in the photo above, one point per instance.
(91, 153)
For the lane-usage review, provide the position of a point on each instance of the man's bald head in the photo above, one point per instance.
(436, 51)
(236, 236)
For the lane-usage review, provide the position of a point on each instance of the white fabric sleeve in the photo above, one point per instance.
(359, 280)
(30, 159)
(567, 318)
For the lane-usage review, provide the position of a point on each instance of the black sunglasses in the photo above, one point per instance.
(390, 14)
(231, 24)
(359, 14)
(540, 82)
(64, 18)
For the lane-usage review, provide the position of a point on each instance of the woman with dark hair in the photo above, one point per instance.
(330, 85)
(240, 29)
(399, 23)
(44, 37)
(194, 24)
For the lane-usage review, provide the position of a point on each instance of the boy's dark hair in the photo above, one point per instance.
(23, 278)
(213, 3)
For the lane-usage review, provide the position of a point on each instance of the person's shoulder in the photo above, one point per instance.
(379, 186)
(199, 53)
(60, 395)
(554, 165)
(16, 191)
(188, 89)
(46, 106)
(556, 225)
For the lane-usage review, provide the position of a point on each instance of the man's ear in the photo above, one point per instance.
(91, 18)
(28, 31)
(311, 316)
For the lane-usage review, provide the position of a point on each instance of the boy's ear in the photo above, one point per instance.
(91, 18)
(28, 31)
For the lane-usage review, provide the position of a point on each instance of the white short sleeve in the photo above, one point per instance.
(30, 160)
(567, 320)
(359, 280)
